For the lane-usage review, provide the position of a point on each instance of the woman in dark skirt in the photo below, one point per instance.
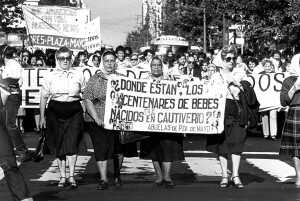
(162, 148)
(106, 142)
(290, 96)
(64, 116)
(240, 99)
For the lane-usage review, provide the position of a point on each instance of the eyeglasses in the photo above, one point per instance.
(228, 59)
(133, 59)
(64, 58)
(39, 65)
(156, 65)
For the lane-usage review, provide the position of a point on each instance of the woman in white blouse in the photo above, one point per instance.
(64, 115)
(240, 99)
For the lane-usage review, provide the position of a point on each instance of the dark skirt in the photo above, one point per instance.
(290, 139)
(106, 143)
(162, 147)
(64, 122)
(232, 139)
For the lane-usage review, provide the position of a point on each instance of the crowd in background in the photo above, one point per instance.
(70, 105)
(192, 63)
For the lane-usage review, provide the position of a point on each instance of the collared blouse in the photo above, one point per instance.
(232, 90)
(63, 85)
(95, 91)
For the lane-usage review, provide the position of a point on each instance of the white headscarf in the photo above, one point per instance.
(295, 67)
(218, 61)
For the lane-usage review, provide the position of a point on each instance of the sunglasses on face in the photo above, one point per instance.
(134, 59)
(39, 65)
(229, 59)
(64, 58)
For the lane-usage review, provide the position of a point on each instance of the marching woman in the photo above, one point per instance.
(14, 178)
(290, 96)
(12, 76)
(106, 142)
(162, 148)
(64, 116)
(239, 99)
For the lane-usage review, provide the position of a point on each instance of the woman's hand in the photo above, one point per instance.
(42, 122)
(99, 122)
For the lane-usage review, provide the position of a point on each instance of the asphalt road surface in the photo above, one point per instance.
(266, 177)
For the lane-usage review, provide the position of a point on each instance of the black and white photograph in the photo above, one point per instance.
(149, 100)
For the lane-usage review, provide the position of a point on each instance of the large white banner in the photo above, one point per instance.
(266, 86)
(267, 89)
(33, 79)
(54, 26)
(164, 106)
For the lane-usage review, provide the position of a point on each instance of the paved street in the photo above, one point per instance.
(265, 175)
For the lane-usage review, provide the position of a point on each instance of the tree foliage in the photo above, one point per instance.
(11, 16)
(140, 37)
(266, 21)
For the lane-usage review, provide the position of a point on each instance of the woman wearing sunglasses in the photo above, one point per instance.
(64, 117)
(240, 96)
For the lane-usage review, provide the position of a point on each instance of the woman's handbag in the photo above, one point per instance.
(41, 149)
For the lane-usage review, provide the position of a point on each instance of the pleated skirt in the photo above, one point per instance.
(232, 139)
(290, 138)
(162, 147)
(64, 121)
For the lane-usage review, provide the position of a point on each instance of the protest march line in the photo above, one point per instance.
(266, 87)
(206, 166)
(205, 152)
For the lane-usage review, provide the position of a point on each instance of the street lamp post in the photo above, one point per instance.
(204, 31)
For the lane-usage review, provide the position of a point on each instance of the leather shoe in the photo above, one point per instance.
(103, 185)
(169, 184)
(159, 183)
(25, 156)
(118, 182)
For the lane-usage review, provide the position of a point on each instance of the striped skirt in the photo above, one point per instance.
(290, 139)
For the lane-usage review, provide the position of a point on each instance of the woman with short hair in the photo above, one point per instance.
(240, 97)
(162, 148)
(62, 88)
(106, 142)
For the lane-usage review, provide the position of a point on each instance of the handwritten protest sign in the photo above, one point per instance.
(164, 106)
(54, 26)
(33, 79)
(93, 42)
(267, 86)
(267, 89)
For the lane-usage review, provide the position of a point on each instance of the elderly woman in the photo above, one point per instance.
(106, 142)
(290, 96)
(240, 96)
(64, 117)
(162, 148)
